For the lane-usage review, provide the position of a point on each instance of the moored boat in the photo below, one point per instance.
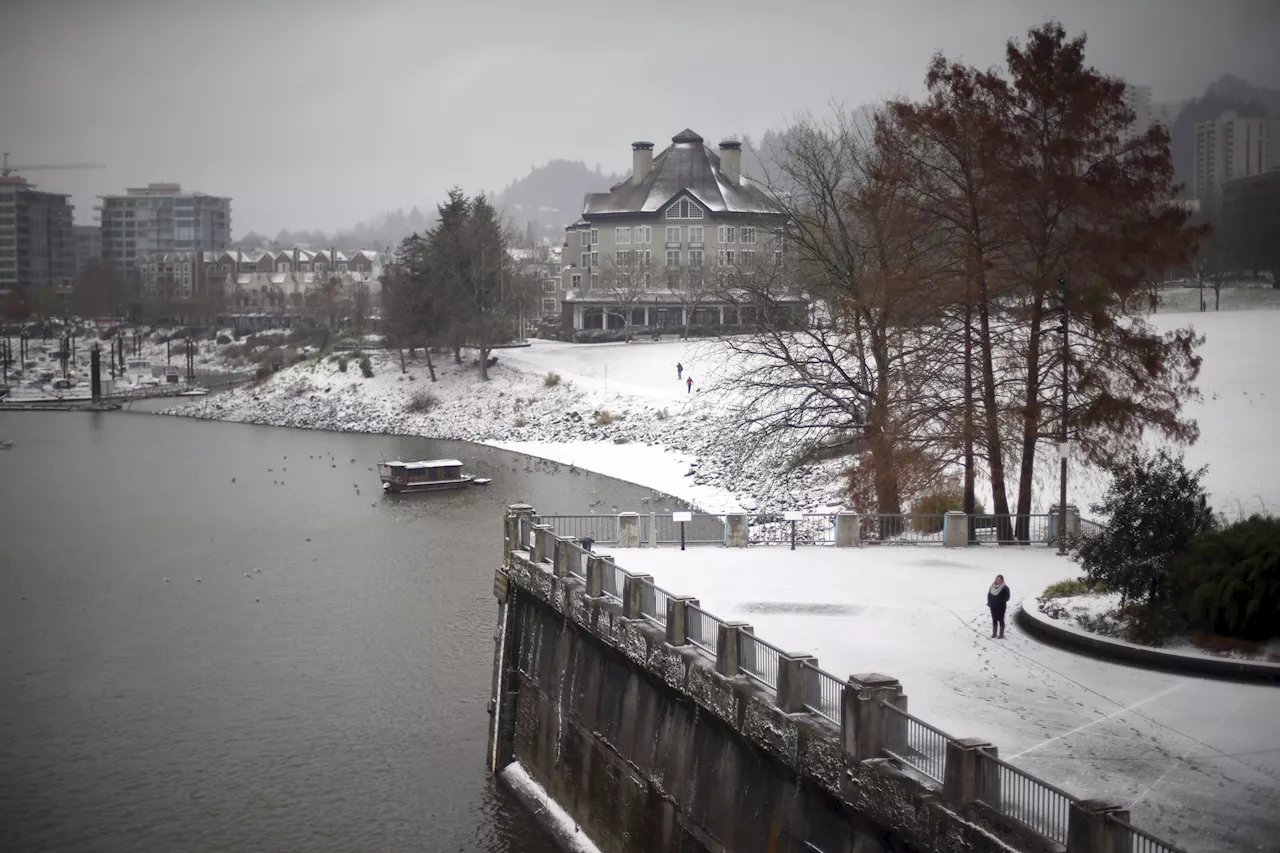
(428, 475)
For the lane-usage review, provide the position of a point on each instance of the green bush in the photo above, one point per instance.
(366, 367)
(602, 418)
(934, 505)
(1154, 507)
(223, 340)
(342, 363)
(421, 401)
(552, 379)
(1066, 589)
(1229, 579)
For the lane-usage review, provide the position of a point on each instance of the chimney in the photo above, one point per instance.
(731, 161)
(641, 161)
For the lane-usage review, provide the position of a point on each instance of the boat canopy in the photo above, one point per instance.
(433, 463)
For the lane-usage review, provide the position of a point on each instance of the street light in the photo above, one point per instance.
(1063, 446)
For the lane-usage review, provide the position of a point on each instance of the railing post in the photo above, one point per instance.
(963, 780)
(988, 784)
(542, 534)
(678, 619)
(735, 530)
(955, 529)
(790, 692)
(633, 595)
(870, 729)
(1089, 831)
(596, 567)
(653, 530)
(728, 661)
(628, 530)
(1055, 519)
(1073, 520)
(847, 530)
(517, 514)
(566, 550)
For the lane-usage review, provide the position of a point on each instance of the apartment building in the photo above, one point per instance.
(88, 244)
(1231, 147)
(37, 245)
(1138, 99)
(161, 219)
(1251, 220)
(682, 223)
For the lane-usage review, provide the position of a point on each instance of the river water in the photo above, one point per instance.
(334, 699)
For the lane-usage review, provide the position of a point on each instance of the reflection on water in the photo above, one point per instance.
(322, 686)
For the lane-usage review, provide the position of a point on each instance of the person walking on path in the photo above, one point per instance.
(689, 384)
(997, 599)
(679, 370)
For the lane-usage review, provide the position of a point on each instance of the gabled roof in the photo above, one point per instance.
(687, 165)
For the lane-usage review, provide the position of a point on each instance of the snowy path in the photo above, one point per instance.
(1197, 760)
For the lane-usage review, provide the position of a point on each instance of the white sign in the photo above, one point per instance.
(792, 515)
(1064, 450)
(682, 516)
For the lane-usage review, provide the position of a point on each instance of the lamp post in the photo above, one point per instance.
(1063, 446)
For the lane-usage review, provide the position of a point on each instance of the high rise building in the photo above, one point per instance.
(160, 219)
(1138, 99)
(88, 244)
(1231, 147)
(37, 248)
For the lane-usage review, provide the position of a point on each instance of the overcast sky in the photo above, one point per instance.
(319, 114)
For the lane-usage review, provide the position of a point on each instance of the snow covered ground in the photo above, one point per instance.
(659, 435)
(1197, 760)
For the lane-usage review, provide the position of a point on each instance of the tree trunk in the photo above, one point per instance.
(883, 461)
(970, 502)
(1030, 423)
(457, 354)
(484, 362)
(991, 413)
(403, 369)
(431, 368)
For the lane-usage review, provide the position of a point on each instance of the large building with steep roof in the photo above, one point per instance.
(674, 229)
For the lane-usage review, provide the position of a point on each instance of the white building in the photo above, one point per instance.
(1231, 147)
(1138, 99)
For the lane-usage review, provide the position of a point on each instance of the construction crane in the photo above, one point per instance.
(6, 168)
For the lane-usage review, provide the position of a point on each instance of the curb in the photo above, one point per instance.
(1078, 640)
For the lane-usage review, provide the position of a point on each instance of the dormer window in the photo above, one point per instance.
(684, 209)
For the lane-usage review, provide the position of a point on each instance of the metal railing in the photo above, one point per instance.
(619, 582)
(703, 628)
(598, 528)
(1032, 529)
(526, 526)
(701, 529)
(758, 659)
(914, 742)
(773, 529)
(1137, 841)
(653, 603)
(823, 692)
(902, 529)
(578, 557)
(1023, 797)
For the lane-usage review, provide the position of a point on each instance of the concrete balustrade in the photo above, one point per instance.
(596, 567)
(633, 595)
(543, 543)
(678, 619)
(628, 530)
(847, 530)
(728, 662)
(1089, 831)
(965, 779)
(955, 529)
(1073, 521)
(567, 548)
(865, 726)
(736, 533)
(790, 692)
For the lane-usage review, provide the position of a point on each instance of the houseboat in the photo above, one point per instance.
(138, 371)
(172, 375)
(429, 475)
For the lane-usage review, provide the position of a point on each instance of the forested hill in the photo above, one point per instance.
(550, 196)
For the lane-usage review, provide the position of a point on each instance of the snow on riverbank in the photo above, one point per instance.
(620, 410)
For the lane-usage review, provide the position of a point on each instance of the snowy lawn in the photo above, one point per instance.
(1197, 760)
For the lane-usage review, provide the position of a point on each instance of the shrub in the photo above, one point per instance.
(936, 504)
(1155, 507)
(366, 367)
(1066, 589)
(552, 380)
(342, 363)
(223, 340)
(1229, 579)
(108, 333)
(521, 422)
(602, 418)
(421, 401)
(262, 373)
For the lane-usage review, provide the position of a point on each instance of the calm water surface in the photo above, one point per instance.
(332, 700)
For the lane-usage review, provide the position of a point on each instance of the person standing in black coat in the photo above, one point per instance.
(997, 599)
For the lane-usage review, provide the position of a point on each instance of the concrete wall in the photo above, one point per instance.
(650, 749)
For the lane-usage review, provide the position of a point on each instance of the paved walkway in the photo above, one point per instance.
(1197, 760)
